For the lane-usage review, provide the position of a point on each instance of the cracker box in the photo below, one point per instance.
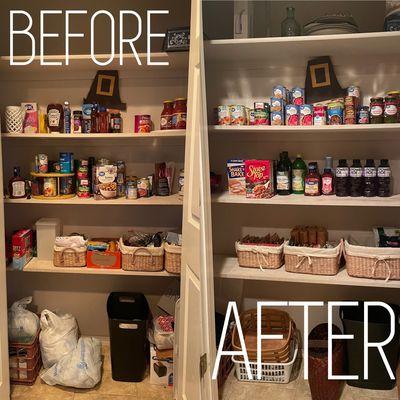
(259, 179)
(236, 177)
(22, 248)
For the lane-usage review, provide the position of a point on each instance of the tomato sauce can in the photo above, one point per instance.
(66, 185)
(142, 123)
(42, 163)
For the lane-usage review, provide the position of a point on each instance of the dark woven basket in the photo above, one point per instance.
(322, 388)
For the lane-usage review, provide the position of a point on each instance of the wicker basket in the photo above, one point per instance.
(372, 262)
(173, 257)
(226, 364)
(149, 259)
(308, 260)
(258, 256)
(69, 257)
(273, 322)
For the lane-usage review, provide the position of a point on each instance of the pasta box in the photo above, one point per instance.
(104, 259)
(22, 248)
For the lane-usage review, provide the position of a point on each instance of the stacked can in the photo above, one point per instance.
(82, 179)
(355, 92)
(121, 175)
(261, 114)
(350, 110)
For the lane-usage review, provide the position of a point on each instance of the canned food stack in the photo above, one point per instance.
(277, 356)
(82, 179)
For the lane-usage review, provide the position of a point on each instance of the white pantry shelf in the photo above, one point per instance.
(162, 134)
(47, 267)
(228, 267)
(271, 52)
(301, 200)
(173, 200)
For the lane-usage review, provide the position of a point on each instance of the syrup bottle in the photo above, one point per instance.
(384, 178)
(356, 179)
(16, 185)
(370, 183)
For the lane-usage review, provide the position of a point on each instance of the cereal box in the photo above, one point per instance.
(259, 179)
(22, 247)
(236, 177)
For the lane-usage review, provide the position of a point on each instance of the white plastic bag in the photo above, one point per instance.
(58, 337)
(163, 333)
(80, 369)
(23, 324)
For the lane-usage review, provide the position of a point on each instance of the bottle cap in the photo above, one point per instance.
(328, 163)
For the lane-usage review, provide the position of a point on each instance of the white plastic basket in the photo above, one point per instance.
(270, 372)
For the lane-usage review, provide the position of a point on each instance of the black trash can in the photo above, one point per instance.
(128, 317)
(378, 331)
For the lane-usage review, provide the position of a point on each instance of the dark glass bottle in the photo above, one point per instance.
(299, 171)
(370, 181)
(342, 180)
(327, 187)
(283, 175)
(356, 179)
(384, 179)
(16, 185)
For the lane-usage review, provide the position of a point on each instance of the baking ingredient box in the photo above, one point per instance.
(259, 175)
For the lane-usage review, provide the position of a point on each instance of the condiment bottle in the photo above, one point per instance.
(328, 178)
(376, 110)
(179, 115)
(370, 183)
(342, 181)
(384, 177)
(390, 111)
(55, 118)
(166, 115)
(299, 171)
(16, 185)
(356, 179)
(283, 174)
(312, 181)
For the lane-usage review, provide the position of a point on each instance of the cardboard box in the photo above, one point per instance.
(161, 367)
(22, 248)
(103, 259)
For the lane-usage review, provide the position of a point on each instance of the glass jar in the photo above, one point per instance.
(179, 115)
(289, 26)
(376, 110)
(390, 112)
(166, 115)
(312, 185)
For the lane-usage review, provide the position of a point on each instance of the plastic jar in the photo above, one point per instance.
(166, 115)
(179, 116)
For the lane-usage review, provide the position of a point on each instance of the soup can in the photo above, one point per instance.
(224, 115)
(83, 188)
(50, 187)
(67, 185)
(42, 163)
(238, 114)
(142, 123)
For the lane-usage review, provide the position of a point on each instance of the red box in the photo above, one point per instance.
(259, 179)
(103, 259)
(22, 243)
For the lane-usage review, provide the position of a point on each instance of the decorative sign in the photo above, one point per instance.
(177, 39)
(105, 90)
(321, 82)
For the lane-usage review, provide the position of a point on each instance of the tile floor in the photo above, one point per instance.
(297, 389)
(106, 390)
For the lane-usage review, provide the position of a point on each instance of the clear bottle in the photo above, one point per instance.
(289, 26)
(283, 174)
(384, 179)
(370, 182)
(328, 178)
(356, 179)
(299, 171)
(16, 185)
(67, 117)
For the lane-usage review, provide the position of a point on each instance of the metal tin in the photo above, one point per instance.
(83, 188)
(67, 185)
(224, 115)
(143, 187)
(142, 123)
(238, 114)
(42, 163)
(350, 110)
(363, 115)
(261, 113)
(66, 163)
(50, 187)
(82, 169)
(56, 167)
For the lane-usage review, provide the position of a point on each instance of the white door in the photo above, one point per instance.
(4, 372)
(196, 331)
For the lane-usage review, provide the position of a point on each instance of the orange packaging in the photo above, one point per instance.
(110, 259)
(259, 179)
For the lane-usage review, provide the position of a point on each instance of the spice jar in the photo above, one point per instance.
(179, 116)
(376, 110)
(166, 115)
(390, 112)
(313, 181)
